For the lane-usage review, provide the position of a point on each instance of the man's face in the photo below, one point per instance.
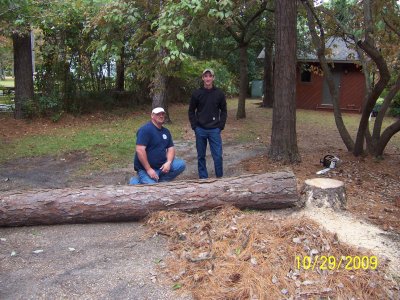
(158, 118)
(208, 79)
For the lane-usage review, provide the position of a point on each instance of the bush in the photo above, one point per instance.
(87, 102)
(394, 109)
(395, 106)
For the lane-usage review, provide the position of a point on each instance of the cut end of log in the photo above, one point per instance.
(325, 183)
(324, 193)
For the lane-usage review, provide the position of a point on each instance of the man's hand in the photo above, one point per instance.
(165, 168)
(152, 174)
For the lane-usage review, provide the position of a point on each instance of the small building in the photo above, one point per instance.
(311, 86)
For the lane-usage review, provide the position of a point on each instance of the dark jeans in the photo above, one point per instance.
(213, 136)
(177, 167)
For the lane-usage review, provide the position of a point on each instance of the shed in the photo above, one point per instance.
(311, 87)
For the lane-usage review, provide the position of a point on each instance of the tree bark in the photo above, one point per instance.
(22, 47)
(268, 83)
(244, 81)
(284, 139)
(159, 88)
(368, 45)
(120, 78)
(128, 203)
(384, 77)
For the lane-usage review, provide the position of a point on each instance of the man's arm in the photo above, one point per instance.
(224, 113)
(142, 156)
(192, 112)
(170, 157)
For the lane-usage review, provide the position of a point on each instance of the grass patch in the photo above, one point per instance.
(110, 140)
(107, 143)
(8, 82)
(6, 98)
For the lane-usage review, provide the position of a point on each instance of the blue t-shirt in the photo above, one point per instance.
(157, 141)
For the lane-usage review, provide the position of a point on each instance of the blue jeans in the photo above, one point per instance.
(213, 136)
(177, 167)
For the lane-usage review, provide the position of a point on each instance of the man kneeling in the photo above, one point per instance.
(155, 159)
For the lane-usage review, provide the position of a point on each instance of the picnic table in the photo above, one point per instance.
(7, 90)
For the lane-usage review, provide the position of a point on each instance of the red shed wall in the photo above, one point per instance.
(351, 94)
(352, 88)
(308, 94)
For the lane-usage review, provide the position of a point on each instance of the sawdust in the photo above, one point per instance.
(359, 233)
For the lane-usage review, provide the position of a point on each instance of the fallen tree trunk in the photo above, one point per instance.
(128, 203)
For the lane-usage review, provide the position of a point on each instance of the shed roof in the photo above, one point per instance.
(337, 50)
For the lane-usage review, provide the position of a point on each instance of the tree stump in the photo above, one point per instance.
(324, 193)
(128, 203)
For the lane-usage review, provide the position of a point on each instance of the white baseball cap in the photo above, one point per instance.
(208, 70)
(158, 110)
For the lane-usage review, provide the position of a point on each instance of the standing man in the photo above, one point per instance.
(207, 116)
(155, 152)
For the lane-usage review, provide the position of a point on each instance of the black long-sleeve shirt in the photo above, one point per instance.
(207, 108)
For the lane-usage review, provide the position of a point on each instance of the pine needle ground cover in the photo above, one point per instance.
(230, 254)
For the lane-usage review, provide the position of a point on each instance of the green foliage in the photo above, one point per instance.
(43, 106)
(16, 16)
(176, 23)
(190, 73)
(29, 109)
(89, 101)
(395, 106)
(49, 104)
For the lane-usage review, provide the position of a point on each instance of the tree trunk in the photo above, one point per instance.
(22, 47)
(319, 44)
(244, 82)
(372, 98)
(159, 88)
(126, 203)
(378, 141)
(368, 46)
(120, 79)
(283, 139)
(268, 83)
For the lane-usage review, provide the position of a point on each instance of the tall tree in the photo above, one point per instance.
(15, 21)
(268, 82)
(23, 71)
(284, 139)
(243, 28)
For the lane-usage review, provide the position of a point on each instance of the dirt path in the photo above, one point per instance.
(91, 261)
(60, 172)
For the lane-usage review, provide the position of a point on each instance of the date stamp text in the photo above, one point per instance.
(330, 262)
